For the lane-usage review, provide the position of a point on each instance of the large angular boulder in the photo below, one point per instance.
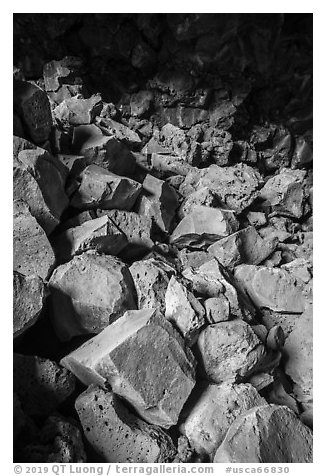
(41, 384)
(204, 225)
(88, 293)
(229, 351)
(266, 434)
(236, 186)
(33, 254)
(144, 360)
(211, 410)
(117, 435)
(75, 111)
(39, 180)
(29, 296)
(100, 188)
(272, 288)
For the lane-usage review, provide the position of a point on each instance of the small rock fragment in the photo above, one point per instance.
(88, 293)
(217, 309)
(144, 360)
(229, 351)
(266, 434)
(256, 219)
(116, 434)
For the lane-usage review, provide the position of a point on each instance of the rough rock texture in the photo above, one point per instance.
(76, 111)
(29, 296)
(41, 384)
(32, 251)
(209, 413)
(266, 434)
(88, 293)
(144, 360)
(116, 434)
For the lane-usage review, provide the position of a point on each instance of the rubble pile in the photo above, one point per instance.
(162, 172)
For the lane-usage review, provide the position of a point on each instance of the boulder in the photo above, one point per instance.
(204, 225)
(169, 165)
(203, 196)
(76, 111)
(39, 180)
(183, 310)
(266, 434)
(158, 201)
(88, 293)
(229, 351)
(217, 309)
(100, 188)
(120, 131)
(272, 288)
(29, 296)
(244, 246)
(64, 71)
(144, 360)
(211, 410)
(302, 154)
(235, 186)
(41, 384)
(117, 435)
(99, 234)
(33, 254)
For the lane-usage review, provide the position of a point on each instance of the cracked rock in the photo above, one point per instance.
(144, 360)
(65, 71)
(75, 111)
(229, 351)
(41, 384)
(217, 309)
(203, 196)
(29, 296)
(266, 434)
(120, 132)
(116, 434)
(88, 293)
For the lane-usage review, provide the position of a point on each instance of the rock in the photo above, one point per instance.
(285, 320)
(140, 103)
(116, 434)
(229, 351)
(176, 139)
(261, 380)
(277, 394)
(20, 144)
(144, 360)
(217, 145)
(184, 117)
(298, 354)
(203, 196)
(64, 71)
(284, 192)
(153, 146)
(271, 288)
(159, 201)
(183, 310)
(19, 417)
(280, 152)
(244, 246)
(41, 384)
(302, 155)
(59, 441)
(32, 106)
(29, 296)
(275, 338)
(99, 149)
(33, 254)
(169, 165)
(192, 259)
(256, 219)
(100, 188)
(136, 228)
(185, 452)
(120, 132)
(99, 234)
(273, 260)
(212, 280)
(39, 180)
(266, 434)
(204, 225)
(151, 278)
(88, 293)
(76, 111)
(235, 186)
(217, 309)
(206, 419)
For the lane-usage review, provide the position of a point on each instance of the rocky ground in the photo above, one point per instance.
(162, 238)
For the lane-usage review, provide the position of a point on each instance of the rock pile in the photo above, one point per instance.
(162, 238)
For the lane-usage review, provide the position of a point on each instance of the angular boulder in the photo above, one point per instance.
(217, 309)
(75, 111)
(144, 360)
(88, 293)
(120, 131)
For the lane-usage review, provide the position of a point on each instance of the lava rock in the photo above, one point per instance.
(88, 293)
(116, 434)
(217, 309)
(140, 103)
(121, 132)
(64, 71)
(170, 165)
(204, 196)
(76, 111)
(144, 360)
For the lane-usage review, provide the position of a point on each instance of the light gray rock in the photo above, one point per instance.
(211, 410)
(256, 219)
(100, 188)
(217, 309)
(88, 293)
(116, 434)
(204, 196)
(271, 288)
(204, 225)
(169, 165)
(229, 351)
(183, 310)
(193, 259)
(266, 434)
(29, 296)
(76, 111)
(33, 254)
(144, 360)
(119, 131)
